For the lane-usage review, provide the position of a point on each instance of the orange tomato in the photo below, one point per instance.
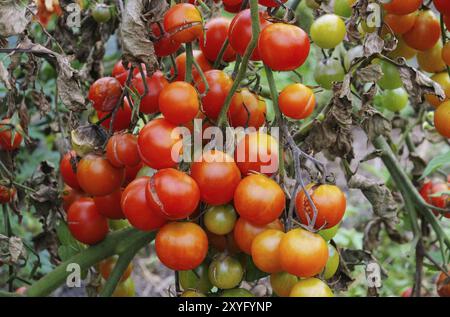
(425, 33)
(431, 60)
(444, 81)
(401, 24)
(247, 110)
(265, 248)
(297, 101)
(402, 7)
(442, 119)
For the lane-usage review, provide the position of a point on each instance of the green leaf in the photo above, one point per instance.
(436, 163)
(252, 273)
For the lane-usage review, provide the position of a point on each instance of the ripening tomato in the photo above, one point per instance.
(178, 102)
(282, 283)
(10, 137)
(85, 223)
(442, 119)
(6, 194)
(391, 77)
(431, 60)
(172, 193)
(245, 232)
(180, 62)
(223, 243)
(217, 176)
(271, 3)
(428, 192)
(183, 22)
(125, 289)
(425, 33)
(446, 54)
(403, 50)
(181, 245)
(444, 81)
(443, 6)
(97, 176)
(120, 73)
(303, 253)
(329, 233)
(135, 208)
(155, 84)
(247, 110)
(107, 266)
(225, 272)
(401, 24)
(330, 203)
(164, 44)
(219, 86)
(259, 199)
(105, 93)
(343, 8)
(220, 220)
(122, 151)
(283, 47)
(257, 152)
(265, 253)
(332, 263)
(156, 144)
(192, 293)
(216, 33)
(328, 31)
(109, 205)
(311, 287)
(402, 7)
(240, 32)
(443, 285)
(69, 195)
(122, 120)
(236, 292)
(68, 174)
(297, 101)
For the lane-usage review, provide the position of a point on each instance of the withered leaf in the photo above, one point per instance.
(14, 18)
(371, 237)
(12, 250)
(369, 74)
(88, 138)
(373, 44)
(4, 77)
(40, 101)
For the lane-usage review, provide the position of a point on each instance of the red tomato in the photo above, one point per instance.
(155, 84)
(68, 175)
(131, 173)
(180, 62)
(425, 33)
(216, 32)
(240, 32)
(121, 74)
(86, 224)
(447, 22)
(219, 86)
(109, 205)
(69, 195)
(181, 245)
(217, 176)
(402, 7)
(122, 120)
(105, 93)
(245, 232)
(122, 151)
(135, 207)
(173, 193)
(247, 110)
(156, 142)
(442, 119)
(283, 47)
(183, 22)
(7, 142)
(97, 176)
(297, 101)
(271, 3)
(443, 6)
(401, 24)
(429, 189)
(164, 45)
(265, 248)
(257, 152)
(232, 8)
(6, 194)
(443, 285)
(330, 203)
(178, 102)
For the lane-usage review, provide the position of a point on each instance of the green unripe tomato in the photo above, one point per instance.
(237, 292)
(198, 280)
(391, 77)
(282, 283)
(328, 31)
(220, 219)
(392, 99)
(118, 224)
(328, 234)
(191, 293)
(225, 272)
(311, 287)
(332, 263)
(101, 13)
(327, 72)
(146, 171)
(125, 289)
(343, 8)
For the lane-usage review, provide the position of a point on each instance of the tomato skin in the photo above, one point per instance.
(443, 285)
(125, 289)
(180, 16)
(394, 100)
(122, 151)
(400, 24)
(282, 283)
(430, 188)
(195, 279)
(220, 220)
(442, 119)
(69, 195)
(431, 60)
(105, 93)
(181, 245)
(85, 223)
(444, 81)
(258, 152)
(6, 194)
(101, 13)
(180, 62)
(271, 3)
(237, 292)
(329, 233)
(245, 232)
(265, 248)
(425, 33)
(120, 73)
(402, 7)
(259, 199)
(328, 31)
(328, 72)
(164, 45)
(225, 272)
(106, 267)
(135, 208)
(297, 101)
(247, 110)
(172, 193)
(6, 141)
(303, 253)
(97, 176)
(67, 173)
(109, 205)
(240, 32)
(329, 200)
(311, 287)
(155, 143)
(178, 102)
(217, 176)
(219, 86)
(283, 47)
(122, 120)
(442, 6)
(232, 8)
(131, 172)
(332, 263)
(216, 32)
(156, 83)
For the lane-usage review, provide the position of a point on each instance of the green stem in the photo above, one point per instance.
(189, 59)
(202, 76)
(218, 60)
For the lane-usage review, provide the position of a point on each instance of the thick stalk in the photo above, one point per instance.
(189, 59)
